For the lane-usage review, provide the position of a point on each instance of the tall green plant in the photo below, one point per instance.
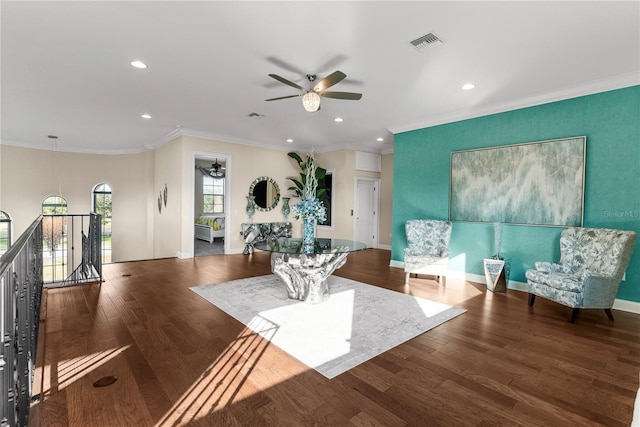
(307, 165)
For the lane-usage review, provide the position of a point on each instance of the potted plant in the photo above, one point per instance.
(310, 208)
(307, 165)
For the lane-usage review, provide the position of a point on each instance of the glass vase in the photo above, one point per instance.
(497, 239)
(308, 234)
(285, 208)
(250, 206)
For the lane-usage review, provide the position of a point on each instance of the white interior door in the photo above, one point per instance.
(366, 212)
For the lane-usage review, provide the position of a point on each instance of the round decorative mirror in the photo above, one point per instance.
(266, 193)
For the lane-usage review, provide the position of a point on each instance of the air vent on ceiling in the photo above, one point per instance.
(426, 40)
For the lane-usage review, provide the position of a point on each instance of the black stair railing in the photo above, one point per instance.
(72, 249)
(38, 259)
(21, 294)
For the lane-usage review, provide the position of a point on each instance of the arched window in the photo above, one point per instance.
(102, 205)
(5, 232)
(54, 205)
(54, 238)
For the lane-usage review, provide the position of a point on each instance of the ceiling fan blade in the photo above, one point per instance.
(342, 95)
(329, 81)
(282, 97)
(285, 81)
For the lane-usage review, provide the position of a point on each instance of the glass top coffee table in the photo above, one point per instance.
(304, 269)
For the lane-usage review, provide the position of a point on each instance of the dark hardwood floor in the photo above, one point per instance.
(181, 361)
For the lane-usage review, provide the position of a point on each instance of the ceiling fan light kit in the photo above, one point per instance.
(311, 98)
(311, 101)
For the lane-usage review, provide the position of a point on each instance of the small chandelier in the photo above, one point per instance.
(216, 170)
(311, 101)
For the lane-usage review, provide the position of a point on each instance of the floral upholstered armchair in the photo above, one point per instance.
(592, 263)
(428, 247)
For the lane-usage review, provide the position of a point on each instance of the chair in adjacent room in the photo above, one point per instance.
(592, 263)
(427, 250)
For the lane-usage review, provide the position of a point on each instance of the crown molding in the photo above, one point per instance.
(196, 133)
(63, 149)
(178, 132)
(588, 88)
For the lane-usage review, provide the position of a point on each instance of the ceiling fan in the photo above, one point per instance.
(311, 97)
(216, 170)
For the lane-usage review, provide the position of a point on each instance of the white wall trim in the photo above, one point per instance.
(395, 263)
(624, 305)
(618, 304)
(209, 156)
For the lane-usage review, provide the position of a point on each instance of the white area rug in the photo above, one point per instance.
(358, 322)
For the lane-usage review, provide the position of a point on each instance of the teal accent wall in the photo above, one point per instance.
(611, 123)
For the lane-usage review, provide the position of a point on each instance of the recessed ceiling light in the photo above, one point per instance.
(138, 64)
(145, 116)
(380, 139)
(289, 140)
(338, 120)
(468, 86)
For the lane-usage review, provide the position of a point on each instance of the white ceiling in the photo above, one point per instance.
(65, 67)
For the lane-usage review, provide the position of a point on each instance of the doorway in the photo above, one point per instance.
(210, 205)
(366, 211)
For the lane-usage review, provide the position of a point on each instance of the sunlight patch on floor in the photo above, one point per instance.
(431, 308)
(452, 289)
(329, 322)
(71, 370)
(225, 380)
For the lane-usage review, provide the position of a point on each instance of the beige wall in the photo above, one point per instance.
(386, 200)
(167, 220)
(29, 176)
(140, 231)
(343, 163)
(244, 164)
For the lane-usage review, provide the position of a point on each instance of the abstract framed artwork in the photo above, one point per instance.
(535, 183)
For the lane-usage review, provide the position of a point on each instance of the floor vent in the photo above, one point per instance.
(425, 41)
(105, 381)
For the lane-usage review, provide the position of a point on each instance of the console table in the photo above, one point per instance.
(256, 232)
(304, 272)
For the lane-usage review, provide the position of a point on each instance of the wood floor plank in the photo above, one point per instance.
(182, 361)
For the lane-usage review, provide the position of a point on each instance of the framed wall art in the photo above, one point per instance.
(537, 183)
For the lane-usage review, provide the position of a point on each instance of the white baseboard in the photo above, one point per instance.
(387, 247)
(395, 263)
(618, 304)
(624, 305)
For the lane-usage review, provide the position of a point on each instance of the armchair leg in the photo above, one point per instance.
(574, 314)
(532, 299)
(609, 313)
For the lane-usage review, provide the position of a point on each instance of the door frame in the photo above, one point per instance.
(376, 207)
(202, 155)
